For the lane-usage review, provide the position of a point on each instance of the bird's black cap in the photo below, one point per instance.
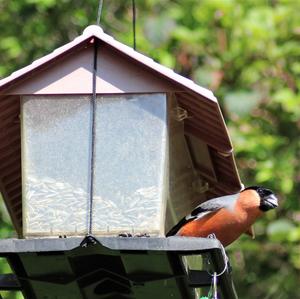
(268, 200)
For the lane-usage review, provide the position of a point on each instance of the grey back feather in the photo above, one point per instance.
(213, 205)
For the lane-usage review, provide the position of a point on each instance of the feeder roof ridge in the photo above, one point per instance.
(97, 31)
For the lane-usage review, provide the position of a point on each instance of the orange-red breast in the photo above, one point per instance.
(227, 217)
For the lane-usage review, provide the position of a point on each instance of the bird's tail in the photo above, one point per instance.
(174, 230)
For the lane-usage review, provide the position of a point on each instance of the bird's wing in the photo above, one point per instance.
(206, 208)
(227, 202)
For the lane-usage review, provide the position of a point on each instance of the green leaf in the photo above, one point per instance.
(280, 229)
(241, 102)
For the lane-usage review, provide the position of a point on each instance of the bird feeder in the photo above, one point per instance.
(96, 132)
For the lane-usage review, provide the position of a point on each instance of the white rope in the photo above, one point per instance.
(225, 258)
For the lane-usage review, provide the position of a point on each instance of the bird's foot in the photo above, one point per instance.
(212, 236)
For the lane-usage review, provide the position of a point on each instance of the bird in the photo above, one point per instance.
(227, 217)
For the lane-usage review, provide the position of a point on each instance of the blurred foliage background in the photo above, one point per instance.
(248, 53)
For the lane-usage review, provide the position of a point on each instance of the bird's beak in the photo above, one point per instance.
(272, 201)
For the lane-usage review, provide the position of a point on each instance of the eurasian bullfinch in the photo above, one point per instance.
(227, 217)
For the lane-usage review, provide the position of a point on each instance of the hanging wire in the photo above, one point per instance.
(99, 12)
(93, 130)
(93, 137)
(93, 115)
(134, 24)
